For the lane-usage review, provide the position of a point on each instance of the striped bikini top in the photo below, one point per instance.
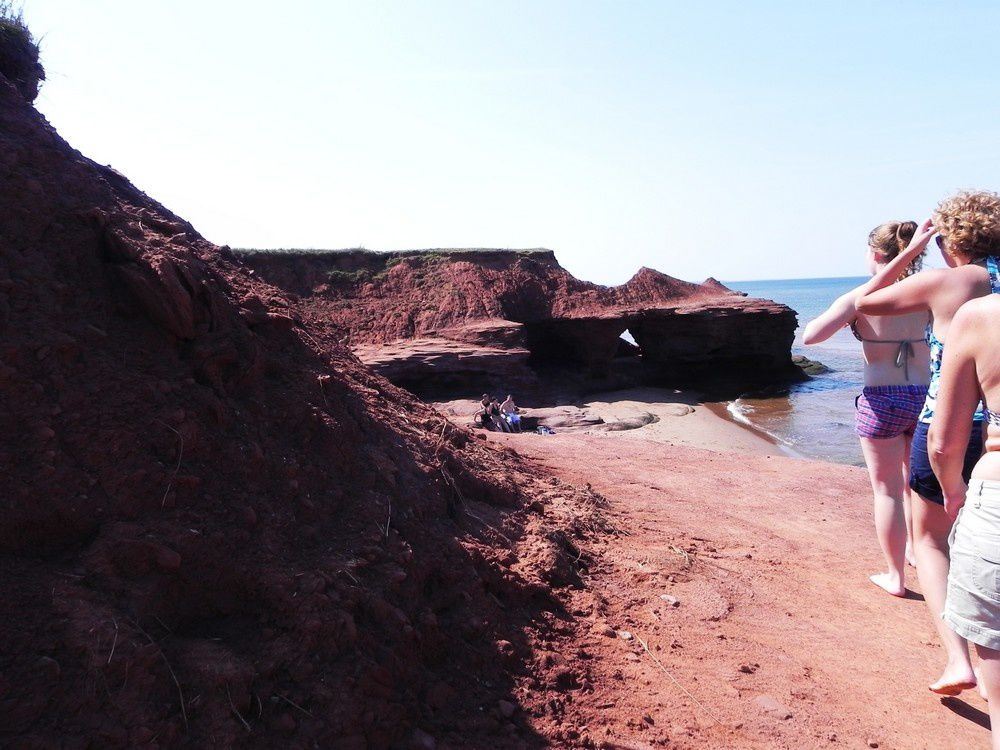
(937, 351)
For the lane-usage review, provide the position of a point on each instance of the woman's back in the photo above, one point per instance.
(895, 349)
(987, 342)
(951, 289)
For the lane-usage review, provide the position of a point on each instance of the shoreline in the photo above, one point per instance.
(706, 425)
(722, 410)
(659, 415)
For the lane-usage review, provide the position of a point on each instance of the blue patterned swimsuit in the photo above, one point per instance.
(937, 351)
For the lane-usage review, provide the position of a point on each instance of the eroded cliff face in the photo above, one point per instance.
(219, 528)
(398, 310)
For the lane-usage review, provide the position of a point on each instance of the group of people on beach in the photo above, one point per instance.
(930, 440)
(497, 416)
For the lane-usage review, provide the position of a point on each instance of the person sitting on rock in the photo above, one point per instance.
(497, 418)
(511, 413)
(483, 414)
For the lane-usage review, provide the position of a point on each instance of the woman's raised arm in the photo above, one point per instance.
(912, 294)
(831, 320)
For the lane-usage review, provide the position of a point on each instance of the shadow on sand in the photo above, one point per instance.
(971, 713)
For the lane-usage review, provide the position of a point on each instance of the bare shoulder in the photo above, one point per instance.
(982, 311)
(974, 325)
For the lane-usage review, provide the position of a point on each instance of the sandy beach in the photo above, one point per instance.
(658, 415)
(731, 607)
(706, 425)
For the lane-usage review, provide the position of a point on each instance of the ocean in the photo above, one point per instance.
(815, 418)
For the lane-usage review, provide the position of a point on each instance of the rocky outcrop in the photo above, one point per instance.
(741, 341)
(391, 306)
(437, 367)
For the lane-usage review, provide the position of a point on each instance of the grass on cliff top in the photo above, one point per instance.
(12, 22)
(18, 48)
(437, 252)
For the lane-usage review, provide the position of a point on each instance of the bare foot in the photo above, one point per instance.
(889, 583)
(953, 681)
(910, 559)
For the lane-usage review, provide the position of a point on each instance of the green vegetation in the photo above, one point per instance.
(358, 264)
(12, 19)
(298, 252)
(337, 276)
(19, 52)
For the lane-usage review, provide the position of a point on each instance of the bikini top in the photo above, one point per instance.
(903, 354)
(937, 352)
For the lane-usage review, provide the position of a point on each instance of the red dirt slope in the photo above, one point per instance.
(219, 529)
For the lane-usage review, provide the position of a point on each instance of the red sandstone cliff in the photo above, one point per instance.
(424, 317)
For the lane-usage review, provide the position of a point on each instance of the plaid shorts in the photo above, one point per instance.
(887, 411)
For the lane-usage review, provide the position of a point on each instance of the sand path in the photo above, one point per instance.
(778, 639)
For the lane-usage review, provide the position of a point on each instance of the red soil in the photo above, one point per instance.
(775, 615)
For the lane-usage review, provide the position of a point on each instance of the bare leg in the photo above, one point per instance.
(989, 672)
(931, 526)
(885, 460)
(908, 504)
(911, 558)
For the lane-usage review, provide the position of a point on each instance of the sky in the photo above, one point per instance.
(729, 139)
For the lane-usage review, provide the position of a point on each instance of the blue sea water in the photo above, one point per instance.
(815, 418)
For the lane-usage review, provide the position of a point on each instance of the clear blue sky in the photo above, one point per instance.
(733, 139)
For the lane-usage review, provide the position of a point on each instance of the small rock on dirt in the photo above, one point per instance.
(507, 708)
(673, 601)
(769, 705)
(423, 740)
(625, 635)
(603, 629)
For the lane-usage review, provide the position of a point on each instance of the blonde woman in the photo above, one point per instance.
(896, 375)
(968, 227)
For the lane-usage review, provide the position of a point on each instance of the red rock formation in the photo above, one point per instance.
(219, 528)
(689, 334)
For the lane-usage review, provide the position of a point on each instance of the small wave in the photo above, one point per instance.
(740, 412)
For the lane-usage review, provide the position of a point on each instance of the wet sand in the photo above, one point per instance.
(707, 425)
(657, 415)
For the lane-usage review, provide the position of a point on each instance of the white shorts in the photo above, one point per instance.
(972, 608)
